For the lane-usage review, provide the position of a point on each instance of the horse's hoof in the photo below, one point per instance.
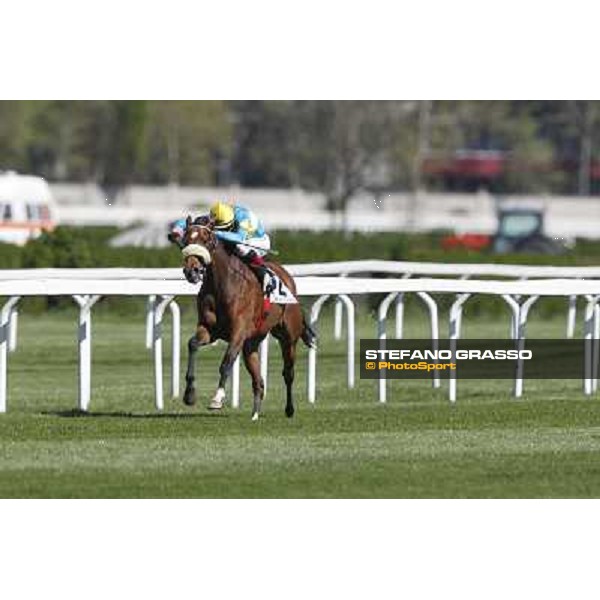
(255, 416)
(217, 402)
(189, 397)
(289, 411)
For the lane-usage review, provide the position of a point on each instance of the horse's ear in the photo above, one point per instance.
(188, 221)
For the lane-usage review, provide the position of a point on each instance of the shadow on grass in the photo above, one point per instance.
(76, 413)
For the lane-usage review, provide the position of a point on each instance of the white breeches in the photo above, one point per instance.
(261, 245)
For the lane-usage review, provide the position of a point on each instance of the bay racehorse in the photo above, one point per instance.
(231, 307)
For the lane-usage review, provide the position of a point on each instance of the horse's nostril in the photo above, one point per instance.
(193, 273)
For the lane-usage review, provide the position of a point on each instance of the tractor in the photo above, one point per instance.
(519, 229)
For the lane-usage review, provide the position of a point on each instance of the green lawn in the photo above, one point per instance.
(487, 445)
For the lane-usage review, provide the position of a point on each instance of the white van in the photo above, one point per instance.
(26, 207)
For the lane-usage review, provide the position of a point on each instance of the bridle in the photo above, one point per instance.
(201, 251)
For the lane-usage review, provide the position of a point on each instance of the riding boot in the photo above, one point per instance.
(265, 276)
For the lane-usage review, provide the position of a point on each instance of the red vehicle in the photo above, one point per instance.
(467, 241)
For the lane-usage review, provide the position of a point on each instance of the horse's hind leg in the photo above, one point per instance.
(252, 364)
(288, 351)
(200, 338)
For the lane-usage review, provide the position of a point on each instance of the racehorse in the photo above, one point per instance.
(230, 308)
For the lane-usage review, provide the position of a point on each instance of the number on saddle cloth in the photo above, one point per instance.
(281, 294)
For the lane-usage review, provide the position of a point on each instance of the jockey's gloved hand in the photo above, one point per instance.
(176, 238)
(177, 233)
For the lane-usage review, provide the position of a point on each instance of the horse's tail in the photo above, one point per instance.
(308, 335)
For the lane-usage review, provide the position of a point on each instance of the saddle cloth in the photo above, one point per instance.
(281, 294)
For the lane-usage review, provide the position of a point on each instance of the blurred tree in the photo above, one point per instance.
(334, 147)
(340, 147)
(571, 127)
(411, 141)
(413, 136)
(49, 151)
(265, 143)
(125, 147)
(428, 129)
(583, 122)
(14, 133)
(510, 127)
(89, 128)
(107, 142)
(186, 142)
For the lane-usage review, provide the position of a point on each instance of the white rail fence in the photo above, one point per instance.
(161, 286)
(343, 269)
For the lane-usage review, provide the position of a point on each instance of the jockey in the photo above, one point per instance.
(240, 227)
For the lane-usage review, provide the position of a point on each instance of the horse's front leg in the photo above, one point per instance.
(235, 345)
(200, 338)
(252, 362)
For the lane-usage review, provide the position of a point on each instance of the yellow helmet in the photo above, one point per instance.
(223, 214)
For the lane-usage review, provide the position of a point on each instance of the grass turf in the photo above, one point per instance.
(487, 445)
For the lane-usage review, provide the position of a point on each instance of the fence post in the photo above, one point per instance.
(312, 352)
(337, 316)
(523, 312)
(571, 316)
(515, 320)
(235, 383)
(350, 316)
(399, 333)
(175, 347)
(596, 347)
(454, 335)
(434, 328)
(84, 337)
(5, 315)
(382, 335)
(589, 343)
(13, 328)
(150, 303)
(400, 311)
(160, 305)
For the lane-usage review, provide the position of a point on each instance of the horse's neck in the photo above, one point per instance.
(220, 269)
